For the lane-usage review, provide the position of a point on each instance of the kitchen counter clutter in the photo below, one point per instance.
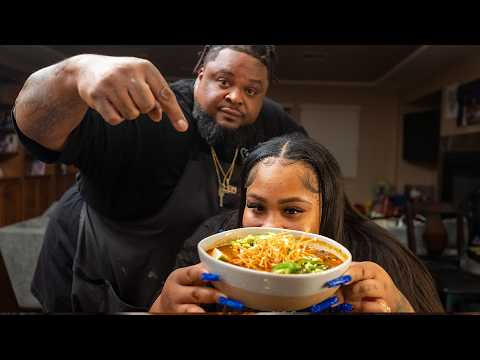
(399, 230)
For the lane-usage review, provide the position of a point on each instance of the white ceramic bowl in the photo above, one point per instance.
(267, 291)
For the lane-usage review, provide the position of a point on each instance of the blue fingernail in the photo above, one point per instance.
(324, 305)
(343, 308)
(338, 281)
(210, 277)
(236, 305)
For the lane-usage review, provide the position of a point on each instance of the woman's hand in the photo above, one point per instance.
(371, 289)
(184, 290)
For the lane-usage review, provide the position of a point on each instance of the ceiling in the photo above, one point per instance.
(313, 63)
(366, 65)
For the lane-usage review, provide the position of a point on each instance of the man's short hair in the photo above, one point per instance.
(265, 53)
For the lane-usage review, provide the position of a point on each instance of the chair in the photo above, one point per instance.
(457, 288)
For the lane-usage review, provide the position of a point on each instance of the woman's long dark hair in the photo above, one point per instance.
(366, 240)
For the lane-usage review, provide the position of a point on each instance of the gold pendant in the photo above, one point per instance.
(221, 193)
(230, 189)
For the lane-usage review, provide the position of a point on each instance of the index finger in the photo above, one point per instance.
(361, 271)
(166, 97)
(191, 275)
(198, 295)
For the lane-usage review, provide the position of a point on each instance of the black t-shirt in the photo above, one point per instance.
(128, 171)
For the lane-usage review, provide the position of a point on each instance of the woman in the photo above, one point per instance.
(293, 182)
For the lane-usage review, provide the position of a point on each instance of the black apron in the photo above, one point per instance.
(121, 266)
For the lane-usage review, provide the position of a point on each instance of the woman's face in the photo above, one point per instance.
(281, 195)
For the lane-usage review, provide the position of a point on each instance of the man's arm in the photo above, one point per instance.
(48, 107)
(54, 100)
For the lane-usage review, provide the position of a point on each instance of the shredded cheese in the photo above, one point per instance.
(272, 249)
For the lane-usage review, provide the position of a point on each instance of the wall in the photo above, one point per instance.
(462, 72)
(9, 92)
(378, 129)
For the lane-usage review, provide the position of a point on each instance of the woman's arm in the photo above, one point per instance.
(188, 255)
(185, 289)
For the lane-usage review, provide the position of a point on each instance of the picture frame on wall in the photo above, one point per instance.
(468, 104)
(450, 101)
(472, 112)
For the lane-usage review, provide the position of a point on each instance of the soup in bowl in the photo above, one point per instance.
(272, 269)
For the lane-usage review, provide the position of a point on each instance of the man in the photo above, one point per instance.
(155, 161)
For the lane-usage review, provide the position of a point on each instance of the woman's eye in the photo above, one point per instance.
(292, 211)
(255, 207)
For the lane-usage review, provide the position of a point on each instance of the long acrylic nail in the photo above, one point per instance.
(210, 277)
(324, 305)
(234, 304)
(338, 281)
(343, 308)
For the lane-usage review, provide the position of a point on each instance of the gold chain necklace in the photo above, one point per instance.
(224, 186)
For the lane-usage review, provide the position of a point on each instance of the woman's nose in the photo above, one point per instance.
(273, 220)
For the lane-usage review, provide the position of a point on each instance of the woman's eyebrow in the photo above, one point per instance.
(256, 197)
(293, 199)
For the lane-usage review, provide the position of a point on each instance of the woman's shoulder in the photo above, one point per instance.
(226, 220)
(188, 255)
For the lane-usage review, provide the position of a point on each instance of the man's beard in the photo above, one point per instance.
(224, 139)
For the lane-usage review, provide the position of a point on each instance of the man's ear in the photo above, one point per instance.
(200, 73)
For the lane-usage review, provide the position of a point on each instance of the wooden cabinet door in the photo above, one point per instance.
(38, 195)
(10, 202)
(63, 183)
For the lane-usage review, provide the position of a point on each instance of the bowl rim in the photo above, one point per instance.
(336, 244)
